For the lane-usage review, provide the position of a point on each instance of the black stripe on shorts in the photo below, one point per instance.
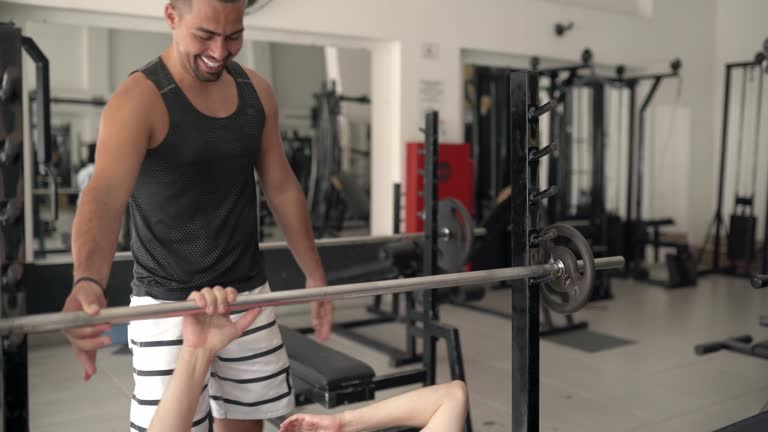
(252, 404)
(252, 380)
(259, 328)
(155, 344)
(146, 402)
(178, 342)
(252, 356)
(154, 373)
(196, 423)
(151, 402)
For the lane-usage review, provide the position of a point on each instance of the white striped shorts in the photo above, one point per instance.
(249, 379)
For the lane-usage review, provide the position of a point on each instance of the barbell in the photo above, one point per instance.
(554, 269)
(455, 234)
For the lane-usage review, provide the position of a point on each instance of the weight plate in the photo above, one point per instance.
(571, 290)
(455, 234)
(565, 294)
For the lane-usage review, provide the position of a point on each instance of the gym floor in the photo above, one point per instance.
(651, 381)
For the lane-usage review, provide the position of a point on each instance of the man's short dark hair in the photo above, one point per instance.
(183, 5)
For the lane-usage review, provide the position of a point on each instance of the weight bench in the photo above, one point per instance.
(331, 378)
(325, 376)
(681, 264)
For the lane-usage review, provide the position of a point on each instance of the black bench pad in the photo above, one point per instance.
(325, 376)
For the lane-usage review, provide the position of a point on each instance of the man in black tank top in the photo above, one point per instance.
(178, 144)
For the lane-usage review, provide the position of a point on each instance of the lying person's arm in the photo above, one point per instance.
(438, 408)
(204, 335)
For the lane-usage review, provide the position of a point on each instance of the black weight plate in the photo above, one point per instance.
(455, 235)
(575, 287)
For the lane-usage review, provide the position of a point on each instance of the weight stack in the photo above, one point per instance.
(615, 236)
(741, 238)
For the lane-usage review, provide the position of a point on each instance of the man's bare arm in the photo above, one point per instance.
(282, 190)
(437, 408)
(286, 200)
(124, 135)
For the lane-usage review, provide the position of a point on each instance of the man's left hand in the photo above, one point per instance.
(322, 312)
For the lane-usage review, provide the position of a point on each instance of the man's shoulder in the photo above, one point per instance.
(136, 103)
(262, 86)
(136, 90)
(255, 77)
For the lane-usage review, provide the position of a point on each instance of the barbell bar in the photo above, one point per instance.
(65, 320)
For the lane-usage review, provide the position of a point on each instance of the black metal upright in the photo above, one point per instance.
(43, 106)
(641, 147)
(525, 299)
(723, 154)
(430, 237)
(14, 384)
(765, 240)
(597, 198)
(629, 249)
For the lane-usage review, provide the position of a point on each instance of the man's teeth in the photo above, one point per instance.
(210, 63)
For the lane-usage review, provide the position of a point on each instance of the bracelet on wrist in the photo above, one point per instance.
(88, 279)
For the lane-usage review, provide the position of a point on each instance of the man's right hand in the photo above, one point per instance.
(87, 296)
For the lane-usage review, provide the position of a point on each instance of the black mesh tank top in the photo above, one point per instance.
(193, 210)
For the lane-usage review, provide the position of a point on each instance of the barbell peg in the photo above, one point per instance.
(546, 193)
(540, 153)
(536, 112)
(542, 237)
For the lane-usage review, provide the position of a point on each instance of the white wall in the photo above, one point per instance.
(298, 73)
(520, 27)
(741, 29)
(631, 7)
(52, 38)
(130, 50)
(355, 71)
(260, 58)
